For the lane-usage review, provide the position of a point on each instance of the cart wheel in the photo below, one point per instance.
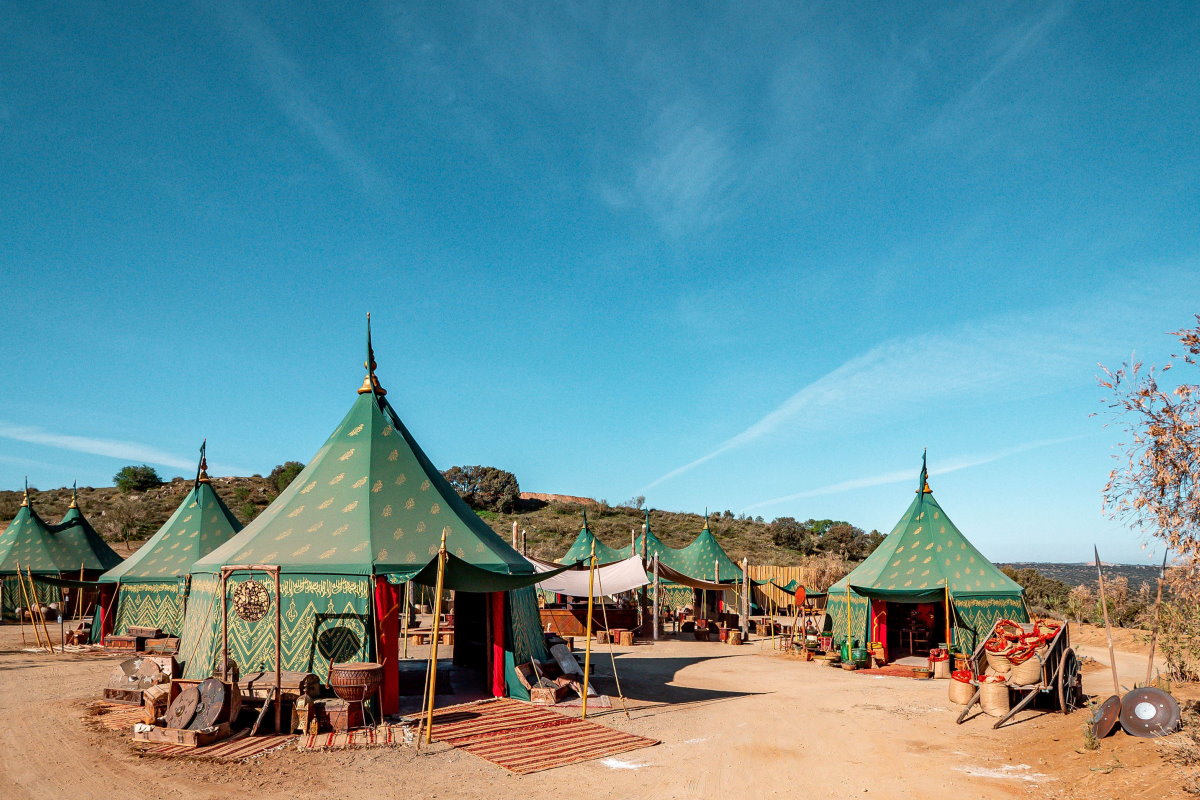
(1070, 682)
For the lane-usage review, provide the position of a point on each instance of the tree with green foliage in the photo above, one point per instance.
(283, 474)
(486, 488)
(136, 478)
(1044, 594)
(826, 536)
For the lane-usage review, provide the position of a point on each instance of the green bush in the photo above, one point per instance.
(282, 476)
(136, 478)
(485, 488)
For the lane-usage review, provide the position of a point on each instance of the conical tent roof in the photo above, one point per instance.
(924, 554)
(200, 523)
(79, 545)
(29, 542)
(581, 548)
(705, 559)
(369, 502)
(648, 545)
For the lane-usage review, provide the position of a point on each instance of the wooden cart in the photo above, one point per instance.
(1060, 679)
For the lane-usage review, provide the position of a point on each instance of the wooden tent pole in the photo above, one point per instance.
(28, 608)
(848, 618)
(433, 647)
(224, 623)
(41, 615)
(279, 655)
(407, 606)
(949, 644)
(1162, 574)
(654, 626)
(587, 653)
(1107, 628)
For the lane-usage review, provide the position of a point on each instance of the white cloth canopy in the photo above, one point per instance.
(620, 576)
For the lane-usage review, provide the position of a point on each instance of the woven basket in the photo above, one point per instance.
(993, 698)
(960, 692)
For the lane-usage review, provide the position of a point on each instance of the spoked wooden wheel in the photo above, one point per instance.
(1070, 682)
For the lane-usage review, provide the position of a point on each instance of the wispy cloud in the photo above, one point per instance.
(686, 172)
(1008, 357)
(286, 85)
(111, 448)
(899, 476)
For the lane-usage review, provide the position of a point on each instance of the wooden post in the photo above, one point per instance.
(433, 647)
(279, 656)
(28, 608)
(587, 653)
(40, 615)
(848, 645)
(224, 623)
(1107, 628)
(1162, 573)
(949, 633)
(746, 599)
(407, 607)
(514, 534)
(654, 626)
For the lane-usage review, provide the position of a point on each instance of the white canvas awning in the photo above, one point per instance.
(614, 578)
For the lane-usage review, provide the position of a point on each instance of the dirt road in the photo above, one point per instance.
(732, 721)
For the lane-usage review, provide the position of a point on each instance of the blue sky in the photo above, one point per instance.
(737, 255)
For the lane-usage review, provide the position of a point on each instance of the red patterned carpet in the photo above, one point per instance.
(524, 738)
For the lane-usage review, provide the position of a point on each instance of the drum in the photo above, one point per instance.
(356, 681)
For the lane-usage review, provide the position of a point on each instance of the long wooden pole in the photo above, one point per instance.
(433, 647)
(407, 607)
(587, 653)
(654, 627)
(1162, 574)
(949, 644)
(279, 656)
(746, 600)
(40, 613)
(1112, 657)
(28, 607)
(225, 624)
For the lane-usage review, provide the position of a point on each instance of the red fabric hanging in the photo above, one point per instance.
(105, 597)
(387, 612)
(496, 605)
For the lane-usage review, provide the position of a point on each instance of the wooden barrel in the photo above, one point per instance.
(734, 637)
(626, 639)
(356, 681)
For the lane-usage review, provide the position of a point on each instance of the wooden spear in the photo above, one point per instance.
(587, 653)
(1107, 628)
(433, 647)
(28, 608)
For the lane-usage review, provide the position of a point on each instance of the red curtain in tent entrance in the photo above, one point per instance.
(107, 599)
(387, 614)
(496, 608)
(879, 623)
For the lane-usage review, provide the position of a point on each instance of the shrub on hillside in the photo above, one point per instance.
(136, 478)
(283, 474)
(1044, 595)
(486, 488)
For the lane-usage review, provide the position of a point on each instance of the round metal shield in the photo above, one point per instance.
(212, 703)
(1149, 712)
(251, 601)
(183, 708)
(1106, 717)
(149, 674)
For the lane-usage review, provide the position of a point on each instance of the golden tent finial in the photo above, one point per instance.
(74, 495)
(25, 497)
(202, 472)
(370, 382)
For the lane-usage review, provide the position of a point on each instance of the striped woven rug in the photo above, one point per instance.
(234, 749)
(523, 738)
(383, 736)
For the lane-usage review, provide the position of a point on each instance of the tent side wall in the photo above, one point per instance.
(151, 605)
(859, 613)
(325, 619)
(525, 640)
(976, 615)
(14, 599)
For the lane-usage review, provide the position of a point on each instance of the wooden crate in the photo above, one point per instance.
(143, 632)
(184, 737)
(124, 644)
(339, 715)
(293, 684)
(129, 697)
(166, 645)
(547, 696)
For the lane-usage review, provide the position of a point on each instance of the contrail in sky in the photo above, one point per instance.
(112, 448)
(899, 476)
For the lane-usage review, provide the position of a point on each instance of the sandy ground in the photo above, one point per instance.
(733, 721)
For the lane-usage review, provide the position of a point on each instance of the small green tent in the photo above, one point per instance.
(367, 513)
(150, 588)
(581, 548)
(28, 543)
(704, 559)
(80, 546)
(926, 561)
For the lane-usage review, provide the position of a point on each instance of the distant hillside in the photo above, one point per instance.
(550, 524)
(1085, 573)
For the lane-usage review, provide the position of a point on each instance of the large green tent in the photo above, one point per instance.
(367, 513)
(925, 560)
(29, 544)
(150, 588)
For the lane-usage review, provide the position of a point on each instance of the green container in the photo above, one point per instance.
(860, 655)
